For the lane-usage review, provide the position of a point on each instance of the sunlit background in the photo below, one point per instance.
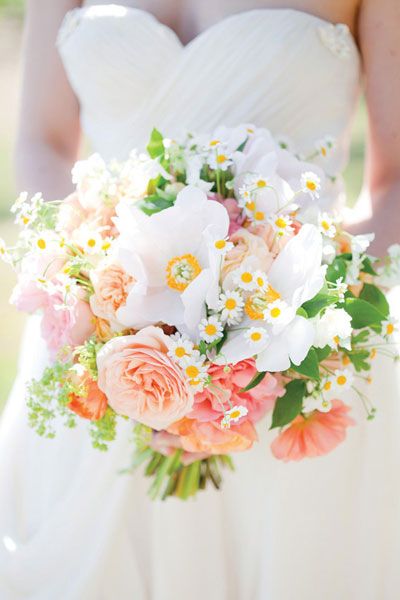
(11, 322)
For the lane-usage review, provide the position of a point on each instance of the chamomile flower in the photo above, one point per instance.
(195, 371)
(233, 416)
(311, 184)
(281, 224)
(44, 241)
(19, 202)
(210, 329)
(181, 348)
(231, 306)
(325, 146)
(90, 240)
(222, 246)
(261, 280)
(4, 254)
(316, 402)
(256, 337)
(341, 380)
(219, 159)
(278, 313)
(244, 278)
(389, 327)
(326, 225)
(341, 288)
(24, 216)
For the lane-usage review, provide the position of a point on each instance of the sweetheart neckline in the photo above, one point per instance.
(221, 22)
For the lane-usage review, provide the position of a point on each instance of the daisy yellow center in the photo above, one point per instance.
(346, 360)
(214, 143)
(257, 303)
(336, 339)
(261, 183)
(373, 353)
(255, 336)
(91, 243)
(25, 220)
(260, 281)
(323, 151)
(246, 277)
(325, 225)
(275, 312)
(230, 303)
(250, 130)
(182, 270)
(259, 215)
(220, 244)
(192, 372)
(281, 223)
(327, 386)
(180, 352)
(235, 414)
(250, 205)
(221, 158)
(210, 329)
(311, 185)
(341, 380)
(41, 243)
(389, 329)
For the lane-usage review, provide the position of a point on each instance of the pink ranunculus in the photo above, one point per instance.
(313, 435)
(209, 437)
(141, 381)
(210, 403)
(167, 443)
(236, 216)
(66, 321)
(111, 286)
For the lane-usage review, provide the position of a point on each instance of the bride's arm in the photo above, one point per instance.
(48, 137)
(379, 26)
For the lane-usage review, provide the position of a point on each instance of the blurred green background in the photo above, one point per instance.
(11, 322)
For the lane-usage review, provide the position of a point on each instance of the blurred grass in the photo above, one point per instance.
(11, 322)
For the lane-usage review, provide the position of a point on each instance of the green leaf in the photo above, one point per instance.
(367, 266)
(155, 147)
(363, 314)
(255, 381)
(289, 406)
(310, 365)
(359, 359)
(373, 295)
(318, 303)
(337, 269)
(323, 353)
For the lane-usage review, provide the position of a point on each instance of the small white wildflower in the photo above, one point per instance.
(278, 313)
(210, 329)
(311, 184)
(326, 225)
(180, 348)
(282, 224)
(256, 337)
(244, 278)
(231, 306)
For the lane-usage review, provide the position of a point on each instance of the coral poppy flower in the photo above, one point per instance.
(317, 434)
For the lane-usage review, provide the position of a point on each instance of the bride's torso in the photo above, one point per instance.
(288, 70)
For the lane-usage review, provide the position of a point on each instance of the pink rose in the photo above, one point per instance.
(210, 438)
(141, 381)
(258, 400)
(273, 242)
(111, 286)
(66, 321)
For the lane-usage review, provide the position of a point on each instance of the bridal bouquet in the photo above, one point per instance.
(193, 289)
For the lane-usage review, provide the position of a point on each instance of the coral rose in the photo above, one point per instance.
(317, 434)
(90, 403)
(210, 438)
(141, 381)
(111, 285)
(228, 385)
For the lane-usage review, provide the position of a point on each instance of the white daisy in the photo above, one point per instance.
(233, 416)
(219, 159)
(310, 184)
(341, 288)
(195, 370)
(231, 306)
(181, 348)
(90, 240)
(325, 145)
(256, 337)
(222, 246)
(19, 202)
(282, 224)
(342, 379)
(316, 402)
(210, 329)
(278, 313)
(389, 327)
(261, 280)
(326, 225)
(244, 278)
(4, 254)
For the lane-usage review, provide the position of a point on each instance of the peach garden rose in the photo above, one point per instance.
(141, 381)
(111, 285)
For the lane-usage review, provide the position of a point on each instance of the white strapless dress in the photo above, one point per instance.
(71, 527)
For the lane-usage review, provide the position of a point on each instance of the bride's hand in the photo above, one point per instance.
(378, 28)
